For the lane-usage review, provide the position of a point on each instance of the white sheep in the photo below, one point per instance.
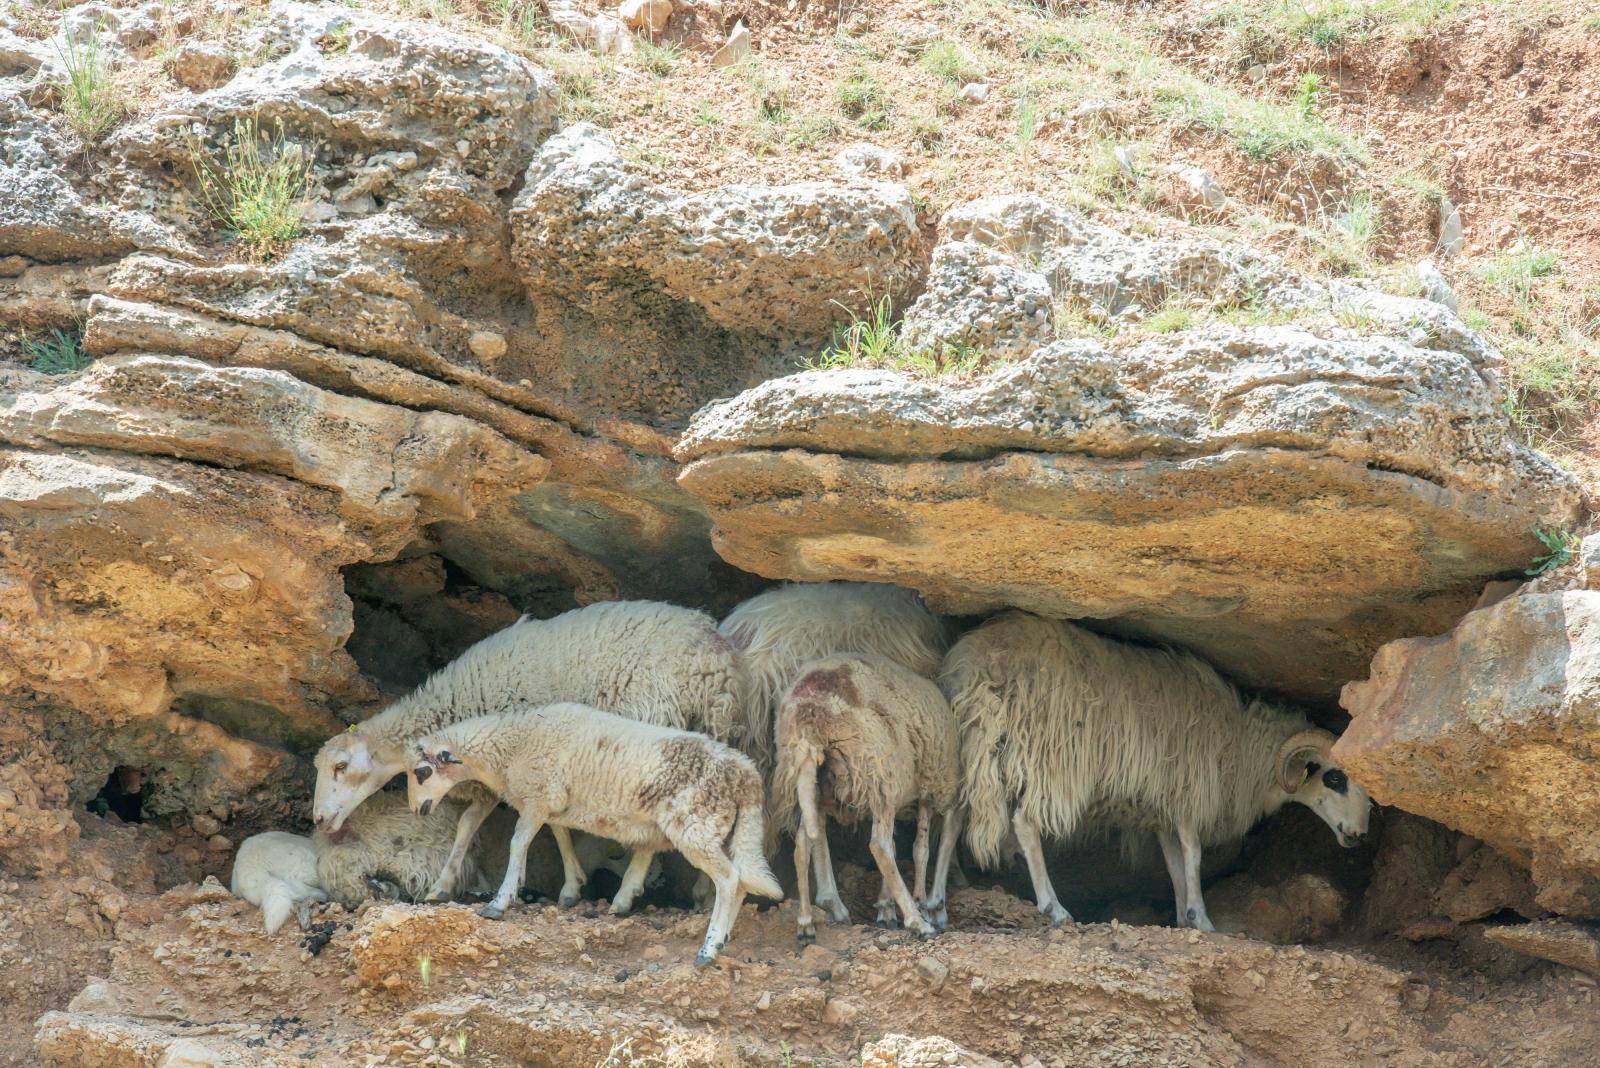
(1063, 729)
(880, 738)
(648, 787)
(277, 872)
(656, 663)
(385, 851)
(780, 630)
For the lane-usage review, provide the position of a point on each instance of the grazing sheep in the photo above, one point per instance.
(652, 662)
(277, 872)
(1063, 729)
(880, 738)
(645, 786)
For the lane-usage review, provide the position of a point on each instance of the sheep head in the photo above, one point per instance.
(1307, 773)
(434, 772)
(347, 774)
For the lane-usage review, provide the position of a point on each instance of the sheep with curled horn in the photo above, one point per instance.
(1064, 729)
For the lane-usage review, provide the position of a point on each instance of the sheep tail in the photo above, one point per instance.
(983, 786)
(748, 859)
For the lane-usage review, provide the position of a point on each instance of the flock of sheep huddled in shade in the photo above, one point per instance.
(656, 728)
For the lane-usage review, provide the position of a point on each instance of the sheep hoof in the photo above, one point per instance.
(621, 908)
(702, 958)
(492, 911)
(927, 932)
(567, 900)
(806, 935)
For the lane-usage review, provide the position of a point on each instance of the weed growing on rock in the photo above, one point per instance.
(90, 99)
(660, 58)
(948, 62)
(59, 354)
(863, 98)
(874, 340)
(258, 190)
(1560, 544)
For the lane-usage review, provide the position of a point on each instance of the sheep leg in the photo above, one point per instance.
(893, 885)
(632, 881)
(1033, 852)
(885, 915)
(710, 858)
(812, 824)
(919, 851)
(573, 873)
(805, 923)
(446, 885)
(521, 838)
(1194, 903)
(1172, 853)
(949, 834)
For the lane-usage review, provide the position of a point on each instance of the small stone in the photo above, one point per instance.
(1434, 285)
(1452, 236)
(187, 1053)
(219, 843)
(205, 826)
(764, 1002)
(866, 160)
(651, 15)
(201, 66)
(933, 970)
(839, 1013)
(427, 1043)
(978, 986)
(487, 345)
(1203, 189)
(975, 92)
(736, 49)
(1257, 73)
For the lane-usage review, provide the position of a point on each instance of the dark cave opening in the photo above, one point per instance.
(123, 795)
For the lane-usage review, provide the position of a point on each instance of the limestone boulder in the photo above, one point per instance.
(1283, 500)
(1494, 729)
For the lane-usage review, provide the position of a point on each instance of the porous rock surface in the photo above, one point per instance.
(1494, 729)
(1283, 498)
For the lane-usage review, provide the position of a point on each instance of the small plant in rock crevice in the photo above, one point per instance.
(89, 96)
(257, 191)
(59, 354)
(874, 340)
(1560, 546)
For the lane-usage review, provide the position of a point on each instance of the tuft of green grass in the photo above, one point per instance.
(811, 130)
(59, 354)
(1560, 545)
(949, 62)
(1027, 122)
(874, 340)
(1308, 95)
(90, 98)
(1169, 319)
(660, 58)
(1514, 274)
(1328, 24)
(257, 191)
(863, 98)
(1047, 44)
(1346, 237)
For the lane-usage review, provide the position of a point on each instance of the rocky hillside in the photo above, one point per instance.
(335, 336)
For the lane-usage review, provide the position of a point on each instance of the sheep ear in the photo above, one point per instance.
(1297, 753)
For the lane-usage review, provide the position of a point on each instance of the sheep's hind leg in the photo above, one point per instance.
(445, 886)
(1033, 852)
(919, 851)
(1194, 902)
(521, 838)
(632, 881)
(813, 820)
(1172, 853)
(573, 873)
(884, 912)
(949, 834)
(805, 923)
(893, 885)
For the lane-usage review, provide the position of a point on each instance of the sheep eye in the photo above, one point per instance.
(1335, 780)
(341, 767)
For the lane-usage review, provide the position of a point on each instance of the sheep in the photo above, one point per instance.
(779, 630)
(881, 738)
(646, 786)
(1063, 729)
(653, 662)
(277, 872)
(384, 851)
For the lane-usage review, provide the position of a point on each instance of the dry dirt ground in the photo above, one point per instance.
(117, 974)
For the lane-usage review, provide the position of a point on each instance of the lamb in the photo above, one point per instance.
(782, 629)
(656, 663)
(1063, 729)
(881, 738)
(277, 872)
(646, 786)
(384, 851)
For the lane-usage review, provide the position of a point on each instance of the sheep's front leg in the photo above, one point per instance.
(919, 851)
(445, 886)
(893, 885)
(705, 852)
(1194, 902)
(1033, 852)
(632, 881)
(1172, 853)
(527, 826)
(949, 834)
(573, 872)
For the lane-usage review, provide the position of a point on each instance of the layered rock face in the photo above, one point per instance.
(1494, 729)
(1283, 497)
